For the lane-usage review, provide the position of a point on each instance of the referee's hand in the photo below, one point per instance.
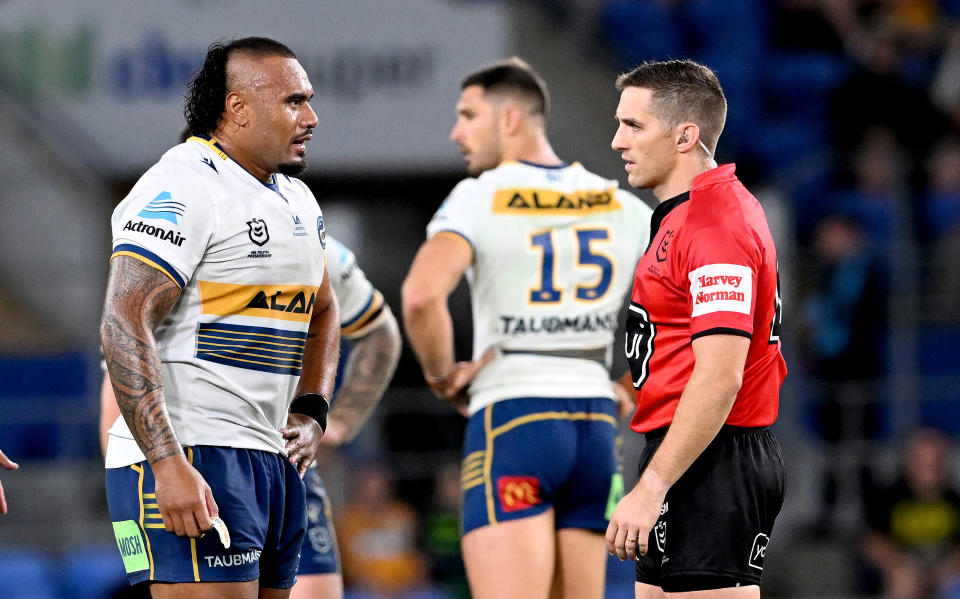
(634, 517)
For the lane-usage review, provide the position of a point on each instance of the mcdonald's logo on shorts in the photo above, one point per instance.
(518, 492)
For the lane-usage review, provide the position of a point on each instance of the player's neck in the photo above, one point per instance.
(535, 149)
(680, 180)
(236, 151)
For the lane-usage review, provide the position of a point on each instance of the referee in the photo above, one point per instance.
(704, 350)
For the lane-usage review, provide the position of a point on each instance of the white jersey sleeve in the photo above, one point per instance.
(166, 221)
(458, 213)
(361, 305)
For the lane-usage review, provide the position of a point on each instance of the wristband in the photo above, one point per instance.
(313, 405)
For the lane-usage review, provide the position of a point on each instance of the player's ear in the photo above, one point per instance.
(511, 119)
(235, 109)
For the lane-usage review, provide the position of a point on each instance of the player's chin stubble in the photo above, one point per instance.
(292, 168)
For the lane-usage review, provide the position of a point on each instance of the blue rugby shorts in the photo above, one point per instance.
(319, 554)
(524, 456)
(261, 500)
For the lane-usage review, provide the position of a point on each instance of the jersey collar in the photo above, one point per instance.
(214, 145)
(661, 212)
(721, 174)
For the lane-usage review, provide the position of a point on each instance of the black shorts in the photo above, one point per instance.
(716, 521)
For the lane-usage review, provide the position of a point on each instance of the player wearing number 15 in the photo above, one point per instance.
(548, 249)
(704, 349)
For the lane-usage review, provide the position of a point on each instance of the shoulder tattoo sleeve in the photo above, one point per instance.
(138, 298)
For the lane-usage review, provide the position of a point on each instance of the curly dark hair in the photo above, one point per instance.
(203, 106)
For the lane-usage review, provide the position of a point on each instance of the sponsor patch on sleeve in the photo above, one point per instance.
(721, 288)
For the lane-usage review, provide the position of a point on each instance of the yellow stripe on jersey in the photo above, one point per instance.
(148, 262)
(210, 143)
(364, 319)
(281, 302)
(554, 202)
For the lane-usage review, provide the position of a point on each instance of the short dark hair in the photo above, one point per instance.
(207, 92)
(512, 75)
(682, 90)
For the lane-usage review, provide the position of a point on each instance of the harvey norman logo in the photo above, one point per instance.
(721, 288)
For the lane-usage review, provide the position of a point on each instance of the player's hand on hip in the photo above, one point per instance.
(184, 498)
(302, 435)
(634, 517)
(453, 385)
(626, 401)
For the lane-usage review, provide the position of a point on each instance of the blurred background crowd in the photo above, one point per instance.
(844, 120)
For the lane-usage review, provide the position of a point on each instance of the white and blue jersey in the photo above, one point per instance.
(361, 305)
(249, 258)
(554, 250)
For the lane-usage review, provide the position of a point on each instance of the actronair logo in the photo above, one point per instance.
(174, 237)
(721, 288)
(163, 207)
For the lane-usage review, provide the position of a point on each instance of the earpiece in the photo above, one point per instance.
(683, 138)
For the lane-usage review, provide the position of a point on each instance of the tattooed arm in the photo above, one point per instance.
(138, 298)
(367, 373)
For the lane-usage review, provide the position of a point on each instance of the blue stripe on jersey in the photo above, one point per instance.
(362, 311)
(136, 249)
(550, 166)
(253, 348)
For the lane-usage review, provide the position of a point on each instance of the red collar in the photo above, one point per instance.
(720, 174)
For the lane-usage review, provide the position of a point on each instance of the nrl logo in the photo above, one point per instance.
(661, 533)
(258, 231)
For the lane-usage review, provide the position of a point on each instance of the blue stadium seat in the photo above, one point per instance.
(93, 572)
(937, 349)
(620, 22)
(26, 573)
(800, 83)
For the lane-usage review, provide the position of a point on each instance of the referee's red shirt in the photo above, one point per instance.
(711, 268)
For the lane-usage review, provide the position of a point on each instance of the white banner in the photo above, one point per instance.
(110, 75)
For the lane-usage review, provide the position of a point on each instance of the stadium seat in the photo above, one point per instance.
(800, 83)
(621, 20)
(26, 573)
(93, 572)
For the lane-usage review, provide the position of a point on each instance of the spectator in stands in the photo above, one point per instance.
(905, 109)
(812, 25)
(877, 196)
(7, 465)
(945, 84)
(377, 533)
(844, 319)
(912, 543)
(942, 202)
